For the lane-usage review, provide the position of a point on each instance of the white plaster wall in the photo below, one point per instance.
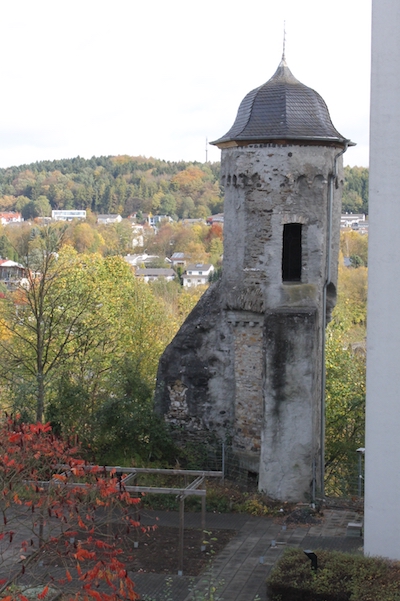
(382, 495)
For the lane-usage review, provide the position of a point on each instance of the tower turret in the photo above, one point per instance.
(260, 341)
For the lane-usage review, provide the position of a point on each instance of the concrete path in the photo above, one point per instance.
(239, 572)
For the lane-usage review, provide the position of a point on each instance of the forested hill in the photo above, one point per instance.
(118, 184)
(124, 184)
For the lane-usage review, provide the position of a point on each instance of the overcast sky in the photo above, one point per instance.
(158, 77)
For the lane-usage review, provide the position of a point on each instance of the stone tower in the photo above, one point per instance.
(248, 361)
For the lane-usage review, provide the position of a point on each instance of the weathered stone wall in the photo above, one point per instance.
(248, 348)
(196, 380)
(267, 186)
(290, 434)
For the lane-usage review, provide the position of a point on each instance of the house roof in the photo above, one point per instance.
(10, 215)
(9, 263)
(282, 109)
(199, 266)
(135, 259)
(155, 271)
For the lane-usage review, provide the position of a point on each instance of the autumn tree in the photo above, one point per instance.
(353, 244)
(350, 315)
(57, 511)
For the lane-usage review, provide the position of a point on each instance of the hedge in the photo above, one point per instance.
(339, 577)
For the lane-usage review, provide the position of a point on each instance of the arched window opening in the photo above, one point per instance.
(291, 252)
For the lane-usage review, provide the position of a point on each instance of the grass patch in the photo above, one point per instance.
(222, 497)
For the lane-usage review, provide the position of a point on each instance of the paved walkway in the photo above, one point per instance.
(239, 572)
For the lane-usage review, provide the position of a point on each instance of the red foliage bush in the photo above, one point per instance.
(60, 505)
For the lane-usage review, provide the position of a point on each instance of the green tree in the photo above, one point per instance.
(167, 205)
(350, 314)
(47, 321)
(345, 381)
(345, 412)
(74, 340)
(36, 208)
(355, 192)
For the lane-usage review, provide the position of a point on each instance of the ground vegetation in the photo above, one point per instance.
(345, 378)
(338, 577)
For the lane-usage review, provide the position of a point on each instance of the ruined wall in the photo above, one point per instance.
(195, 379)
(248, 352)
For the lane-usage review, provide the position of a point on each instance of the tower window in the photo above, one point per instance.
(291, 252)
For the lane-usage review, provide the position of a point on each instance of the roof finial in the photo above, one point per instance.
(284, 41)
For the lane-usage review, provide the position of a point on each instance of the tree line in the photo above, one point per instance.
(109, 185)
(125, 185)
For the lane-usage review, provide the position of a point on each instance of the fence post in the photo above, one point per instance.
(181, 533)
(223, 461)
(314, 478)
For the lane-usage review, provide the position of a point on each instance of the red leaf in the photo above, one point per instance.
(43, 593)
(94, 594)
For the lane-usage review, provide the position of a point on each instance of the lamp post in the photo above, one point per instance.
(313, 558)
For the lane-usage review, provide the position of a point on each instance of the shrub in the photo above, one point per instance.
(340, 577)
(64, 508)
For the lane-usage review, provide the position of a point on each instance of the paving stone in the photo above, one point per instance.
(238, 565)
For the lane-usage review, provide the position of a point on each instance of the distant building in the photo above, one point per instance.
(348, 220)
(150, 274)
(135, 260)
(11, 217)
(107, 219)
(154, 220)
(218, 218)
(67, 215)
(192, 221)
(197, 275)
(179, 259)
(12, 274)
(137, 235)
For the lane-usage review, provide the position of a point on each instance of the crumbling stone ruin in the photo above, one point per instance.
(248, 361)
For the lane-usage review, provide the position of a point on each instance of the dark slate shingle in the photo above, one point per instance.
(282, 109)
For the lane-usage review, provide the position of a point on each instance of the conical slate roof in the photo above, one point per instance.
(282, 109)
